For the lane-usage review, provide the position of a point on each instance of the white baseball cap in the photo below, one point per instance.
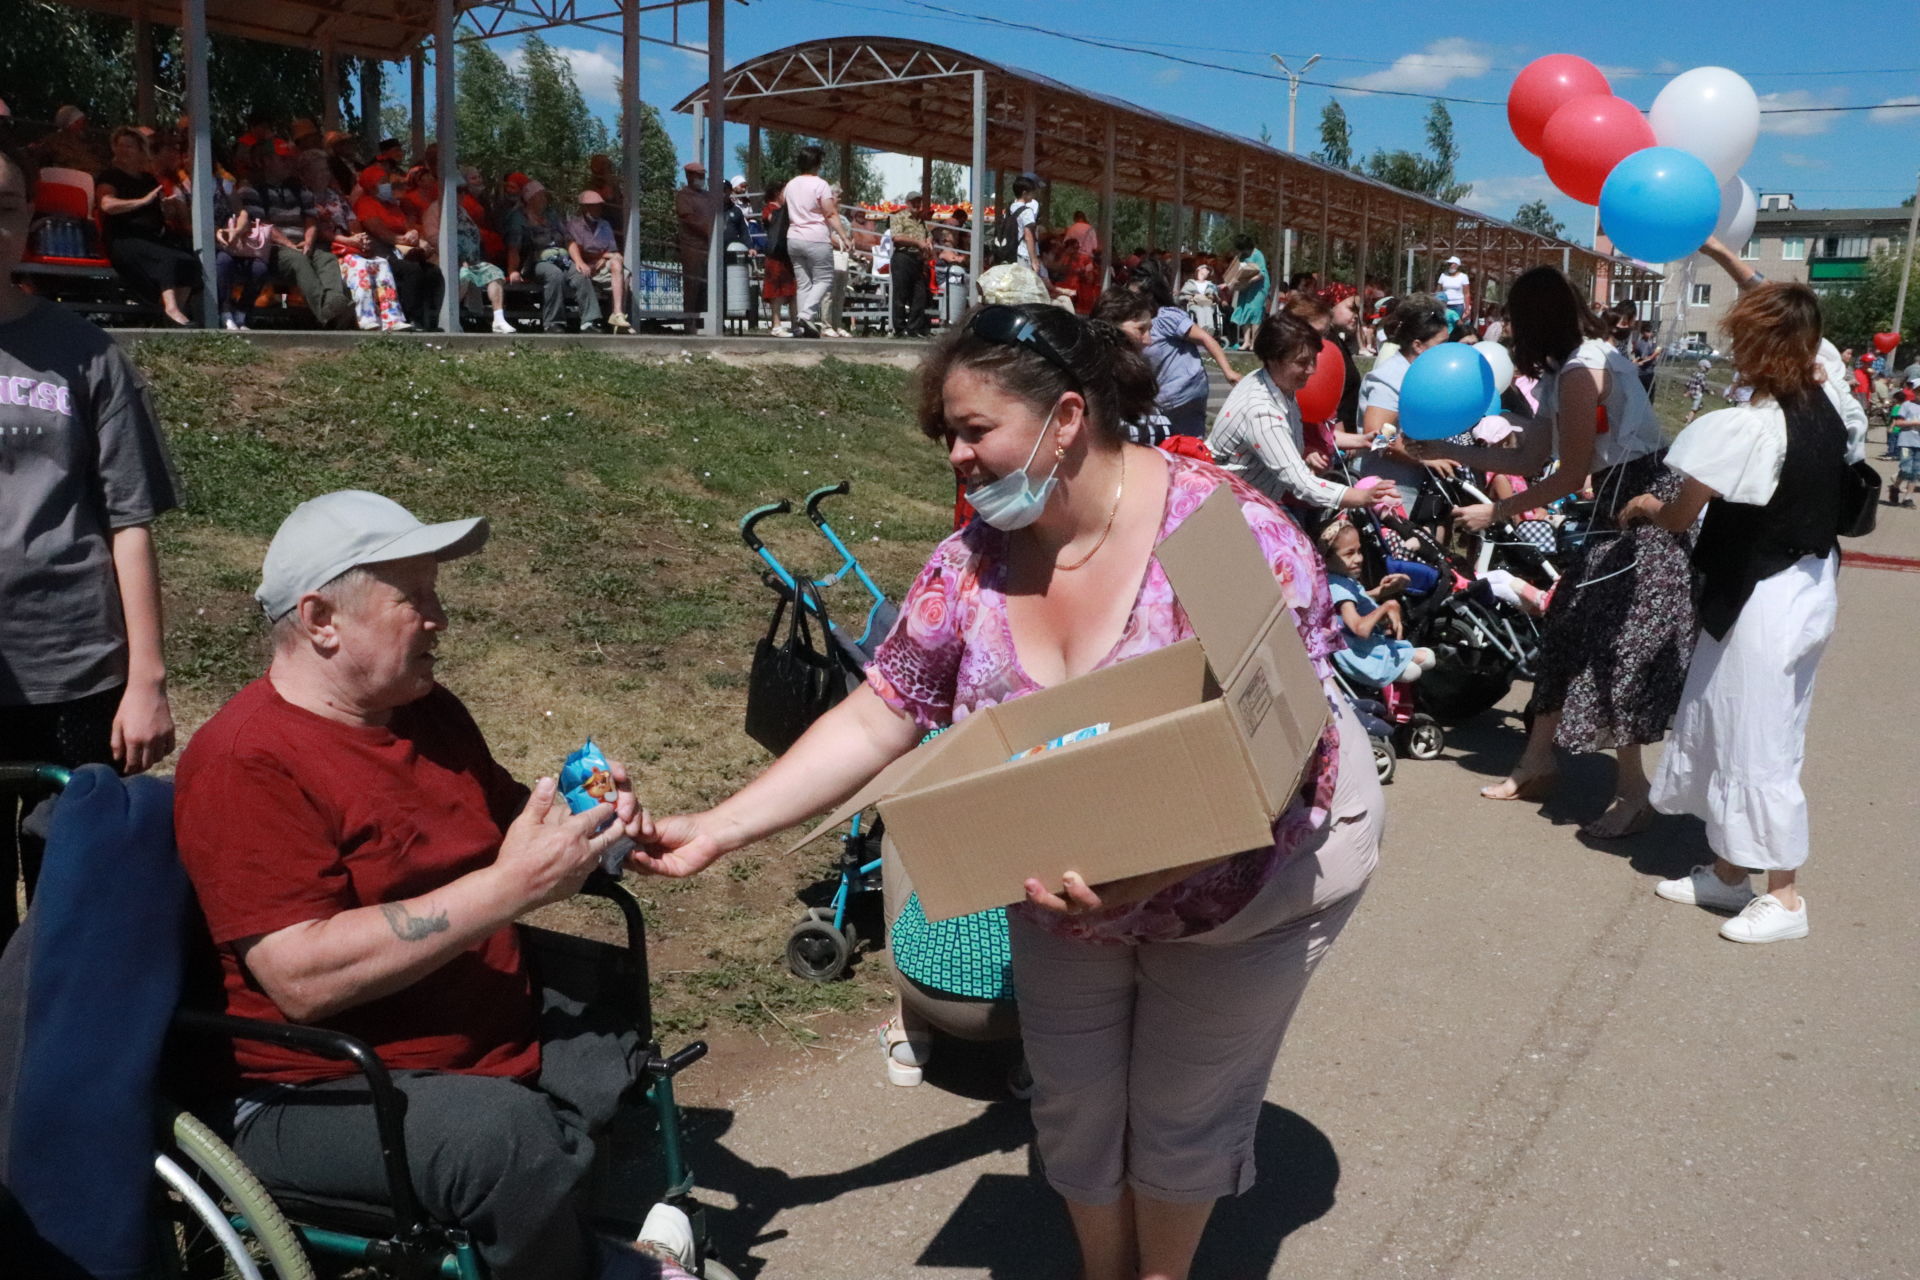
(1453, 262)
(324, 537)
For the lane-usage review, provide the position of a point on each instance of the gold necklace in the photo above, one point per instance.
(1111, 513)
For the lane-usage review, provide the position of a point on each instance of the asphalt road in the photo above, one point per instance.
(1517, 1062)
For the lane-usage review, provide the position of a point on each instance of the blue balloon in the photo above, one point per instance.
(1447, 390)
(1493, 406)
(1660, 204)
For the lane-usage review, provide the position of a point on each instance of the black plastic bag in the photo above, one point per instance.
(795, 680)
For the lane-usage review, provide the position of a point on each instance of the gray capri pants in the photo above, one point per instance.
(1151, 1060)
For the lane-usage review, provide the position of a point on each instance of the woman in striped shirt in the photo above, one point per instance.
(1258, 431)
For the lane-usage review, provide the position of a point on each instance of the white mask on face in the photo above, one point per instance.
(1014, 501)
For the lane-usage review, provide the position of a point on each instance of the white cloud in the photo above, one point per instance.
(1800, 160)
(1430, 70)
(1796, 126)
(594, 70)
(1168, 75)
(1888, 113)
(1501, 196)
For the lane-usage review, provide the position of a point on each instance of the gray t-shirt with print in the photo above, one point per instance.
(80, 456)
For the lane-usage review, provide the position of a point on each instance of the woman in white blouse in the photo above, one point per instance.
(1772, 475)
(1613, 654)
(1258, 430)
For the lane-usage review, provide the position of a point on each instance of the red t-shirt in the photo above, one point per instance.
(374, 212)
(284, 816)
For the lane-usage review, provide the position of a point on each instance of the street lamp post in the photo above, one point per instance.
(1906, 272)
(1293, 102)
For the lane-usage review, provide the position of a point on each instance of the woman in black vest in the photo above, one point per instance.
(1772, 475)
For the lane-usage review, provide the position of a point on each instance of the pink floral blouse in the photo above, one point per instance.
(952, 654)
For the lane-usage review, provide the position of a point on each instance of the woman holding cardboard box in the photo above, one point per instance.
(1153, 1007)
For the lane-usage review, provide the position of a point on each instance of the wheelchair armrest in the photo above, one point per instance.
(602, 885)
(387, 1104)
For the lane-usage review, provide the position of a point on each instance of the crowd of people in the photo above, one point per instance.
(1152, 1009)
(353, 232)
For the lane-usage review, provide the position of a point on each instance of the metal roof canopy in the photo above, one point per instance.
(386, 30)
(909, 97)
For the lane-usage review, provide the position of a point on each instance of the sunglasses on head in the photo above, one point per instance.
(1010, 327)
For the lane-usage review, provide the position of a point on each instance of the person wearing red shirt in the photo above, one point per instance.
(395, 238)
(360, 858)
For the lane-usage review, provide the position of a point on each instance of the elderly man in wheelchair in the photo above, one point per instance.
(360, 859)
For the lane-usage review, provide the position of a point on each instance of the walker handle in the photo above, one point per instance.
(755, 516)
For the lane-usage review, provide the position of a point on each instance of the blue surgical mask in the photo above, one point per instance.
(1014, 501)
(384, 191)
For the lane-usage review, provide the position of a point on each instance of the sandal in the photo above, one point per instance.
(906, 1053)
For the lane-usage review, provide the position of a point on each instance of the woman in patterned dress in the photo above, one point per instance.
(1152, 1008)
(1619, 633)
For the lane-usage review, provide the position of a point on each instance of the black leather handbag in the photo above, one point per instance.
(794, 680)
(1860, 500)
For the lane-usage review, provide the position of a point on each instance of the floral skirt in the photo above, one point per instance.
(1619, 634)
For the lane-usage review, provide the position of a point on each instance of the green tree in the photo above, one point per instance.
(948, 186)
(490, 112)
(778, 152)
(1431, 174)
(561, 133)
(1336, 136)
(1535, 216)
(1851, 316)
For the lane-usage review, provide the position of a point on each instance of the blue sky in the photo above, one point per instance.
(1839, 53)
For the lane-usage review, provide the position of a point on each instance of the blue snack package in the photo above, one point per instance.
(586, 779)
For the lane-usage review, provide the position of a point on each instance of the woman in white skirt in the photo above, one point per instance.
(1772, 475)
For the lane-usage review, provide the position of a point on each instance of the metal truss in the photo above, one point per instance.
(499, 18)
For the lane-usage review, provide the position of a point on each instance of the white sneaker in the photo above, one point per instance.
(232, 321)
(668, 1230)
(1765, 919)
(503, 326)
(779, 331)
(1702, 888)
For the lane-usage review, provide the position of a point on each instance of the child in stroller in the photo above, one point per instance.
(1377, 654)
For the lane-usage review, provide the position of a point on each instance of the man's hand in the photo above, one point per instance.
(513, 277)
(142, 727)
(548, 852)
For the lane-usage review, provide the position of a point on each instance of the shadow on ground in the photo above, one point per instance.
(1007, 1226)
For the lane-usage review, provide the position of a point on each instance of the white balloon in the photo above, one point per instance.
(1501, 362)
(1711, 112)
(1738, 208)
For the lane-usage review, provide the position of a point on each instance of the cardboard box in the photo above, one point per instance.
(1208, 743)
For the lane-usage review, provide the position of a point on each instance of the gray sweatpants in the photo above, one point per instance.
(558, 280)
(813, 277)
(502, 1159)
(1151, 1061)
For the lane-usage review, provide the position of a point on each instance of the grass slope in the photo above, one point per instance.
(615, 598)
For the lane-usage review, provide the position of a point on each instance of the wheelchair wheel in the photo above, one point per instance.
(1384, 762)
(1422, 738)
(203, 1188)
(816, 950)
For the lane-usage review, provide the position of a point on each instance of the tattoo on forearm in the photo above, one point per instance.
(408, 927)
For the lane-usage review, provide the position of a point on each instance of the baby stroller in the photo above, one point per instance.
(822, 943)
(1410, 731)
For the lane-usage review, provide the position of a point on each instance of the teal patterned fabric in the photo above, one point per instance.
(966, 956)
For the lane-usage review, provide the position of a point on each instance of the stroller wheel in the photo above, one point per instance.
(1421, 738)
(1384, 761)
(816, 950)
(825, 916)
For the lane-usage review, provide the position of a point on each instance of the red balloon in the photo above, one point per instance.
(1586, 138)
(1319, 399)
(1882, 342)
(1543, 87)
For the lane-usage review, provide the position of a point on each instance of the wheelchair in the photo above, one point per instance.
(205, 1214)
